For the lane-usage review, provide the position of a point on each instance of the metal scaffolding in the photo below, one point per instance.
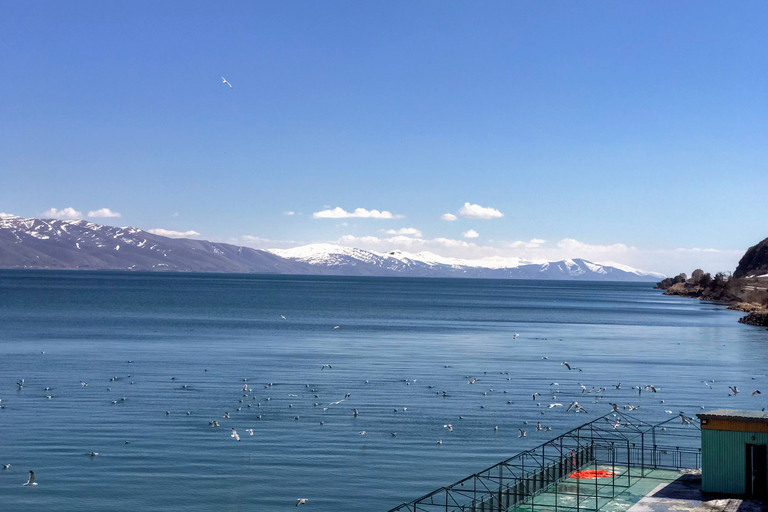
(627, 449)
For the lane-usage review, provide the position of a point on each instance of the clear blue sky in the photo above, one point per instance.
(642, 124)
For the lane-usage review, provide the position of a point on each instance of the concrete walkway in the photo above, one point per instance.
(684, 495)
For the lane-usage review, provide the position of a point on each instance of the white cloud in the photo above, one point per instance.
(175, 214)
(404, 231)
(174, 234)
(7, 216)
(475, 211)
(64, 214)
(470, 234)
(102, 213)
(448, 216)
(257, 242)
(362, 213)
(533, 244)
(289, 213)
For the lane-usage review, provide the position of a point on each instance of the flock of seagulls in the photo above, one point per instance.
(250, 399)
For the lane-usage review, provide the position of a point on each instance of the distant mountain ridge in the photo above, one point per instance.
(82, 245)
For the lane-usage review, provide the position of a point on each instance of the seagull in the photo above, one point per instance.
(225, 81)
(554, 405)
(6, 466)
(522, 432)
(734, 389)
(213, 423)
(649, 386)
(618, 386)
(362, 433)
(756, 392)
(93, 454)
(234, 434)
(354, 413)
(249, 430)
(515, 336)
(535, 395)
(574, 404)
(83, 383)
(336, 326)
(449, 427)
(615, 425)
(328, 366)
(538, 425)
(301, 501)
(615, 407)
(565, 363)
(31, 480)
(283, 317)
(440, 442)
(632, 407)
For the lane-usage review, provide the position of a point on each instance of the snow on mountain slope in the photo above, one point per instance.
(426, 263)
(80, 244)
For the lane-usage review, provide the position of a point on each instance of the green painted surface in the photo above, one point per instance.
(723, 459)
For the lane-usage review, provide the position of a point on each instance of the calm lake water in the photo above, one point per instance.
(184, 343)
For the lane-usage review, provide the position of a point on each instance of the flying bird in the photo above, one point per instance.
(224, 80)
(301, 501)
(31, 480)
(449, 427)
(328, 366)
(565, 363)
(734, 389)
(249, 430)
(234, 434)
(522, 432)
(756, 392)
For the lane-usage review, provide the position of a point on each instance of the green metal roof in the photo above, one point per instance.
(735, 415)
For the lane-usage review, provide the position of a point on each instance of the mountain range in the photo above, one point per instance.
(81, 245)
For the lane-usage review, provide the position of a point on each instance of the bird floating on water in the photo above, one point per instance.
(31, 480)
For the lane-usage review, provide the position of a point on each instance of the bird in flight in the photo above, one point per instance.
(449, 427)
(734, 389)
(565, 363)
(234, 434)
(31, 480)
(327, 365)
(301, 501)
(225, 81)
(522, 432)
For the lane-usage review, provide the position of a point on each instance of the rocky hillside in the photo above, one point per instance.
(754, 262)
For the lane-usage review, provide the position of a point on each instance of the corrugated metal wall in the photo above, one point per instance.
(723, 459)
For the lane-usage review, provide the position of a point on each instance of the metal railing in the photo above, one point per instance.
(629, 452)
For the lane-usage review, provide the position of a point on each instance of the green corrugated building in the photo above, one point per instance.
(733, 452)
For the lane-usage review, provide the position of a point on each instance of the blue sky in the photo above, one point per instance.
(617, 131)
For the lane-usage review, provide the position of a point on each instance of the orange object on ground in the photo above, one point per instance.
(592, 473)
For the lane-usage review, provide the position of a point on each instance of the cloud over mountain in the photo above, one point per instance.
(63, 214)
(174, 234)
(475, 211)
(360, 213)
(103, 213)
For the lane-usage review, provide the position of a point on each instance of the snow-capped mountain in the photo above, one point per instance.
(344, 259)
(83, 245)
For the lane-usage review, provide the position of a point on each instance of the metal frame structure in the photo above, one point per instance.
(629, 450)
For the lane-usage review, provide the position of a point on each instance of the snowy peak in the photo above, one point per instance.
(428, 264)
(84, 245)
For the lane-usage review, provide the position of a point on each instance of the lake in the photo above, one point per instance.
(163, 355)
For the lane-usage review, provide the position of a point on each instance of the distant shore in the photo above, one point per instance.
(747, 295)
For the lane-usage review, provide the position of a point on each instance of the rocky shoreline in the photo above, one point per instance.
(759, 319)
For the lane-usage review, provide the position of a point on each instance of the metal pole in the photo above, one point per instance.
(642, 454)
